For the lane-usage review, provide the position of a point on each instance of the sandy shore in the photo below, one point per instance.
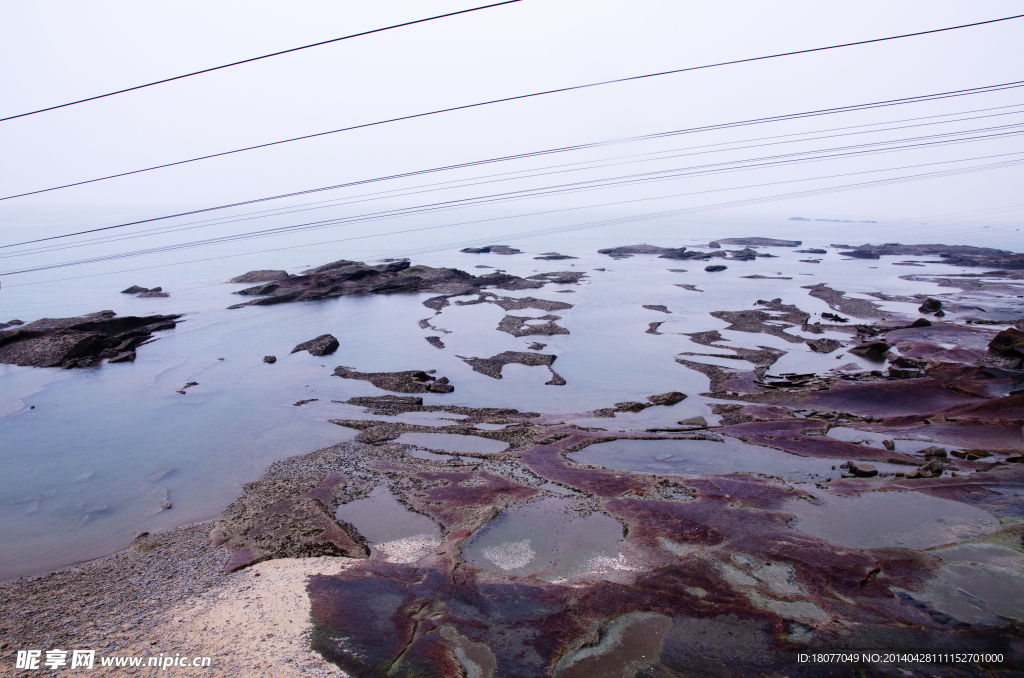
(166, 595)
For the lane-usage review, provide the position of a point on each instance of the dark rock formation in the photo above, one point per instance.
(270, 359)
(135, 289)
(491, 249)
(858, 308)
(411, 381)
(860, 469)
(554, 256)
(435, 341)
(874, 350)
(492, 366)
(80, 342)
(760, 242)
(957, 255)
(1010, 340)
(325, 344)
(715, 269)
(824, 345)
(536, 346)
(260, 276)
(343, 277)
(813, 251)
(652, 328)
(630, 250)
(657, 307)
(153, 293)
(517, 326)
(930, 306)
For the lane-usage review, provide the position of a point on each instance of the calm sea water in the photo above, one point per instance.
(91, 455)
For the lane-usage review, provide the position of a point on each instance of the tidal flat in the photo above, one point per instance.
(702, 460)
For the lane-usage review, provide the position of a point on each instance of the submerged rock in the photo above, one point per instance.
(270, 359)
(824, 345)
(657, 307)
(760, 242)
(715, 269)
(325, 344)
(554, 256)
(82, 341)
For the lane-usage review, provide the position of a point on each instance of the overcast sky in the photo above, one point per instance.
(59, 51)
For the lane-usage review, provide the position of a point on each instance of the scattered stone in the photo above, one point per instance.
(687, 286)
(260, 276)
(824, 345)
(307, 400)
(135, 289)
(166, 505)
(670, 398)
(435, 341)
(270, 359)
(325, 344)
(921, 322)
(1010, 340)
(554, 256)
(657, 307)
(155, 292)
(933, 469)
(889, 445)
(491, 249)
(715, 269)
(15, 322)
(971, 455)
(873, 350)
(860, 469)
(82, 341)
(652, 328)
(934, 452)
(813, 251)
(411, 381)
(714, 245)
(695, 422)
(930, 306)
(630, 250)
(536, 346)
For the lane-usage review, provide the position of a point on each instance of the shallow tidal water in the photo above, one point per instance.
(92, 455)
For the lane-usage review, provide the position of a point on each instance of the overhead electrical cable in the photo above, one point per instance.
(514, 176)
(586, 225)
(520, 97)
(447, 205)
(258, 58)
(693, 130)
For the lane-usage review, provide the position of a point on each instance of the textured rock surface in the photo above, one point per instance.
(325, 344)
(82, 341)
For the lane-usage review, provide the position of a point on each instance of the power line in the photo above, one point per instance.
(706, 128)
(517, 97)
(586, 225)
(258, 58)
(663, 175)
(525, 174)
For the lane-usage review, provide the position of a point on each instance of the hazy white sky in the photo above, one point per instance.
(55, 51)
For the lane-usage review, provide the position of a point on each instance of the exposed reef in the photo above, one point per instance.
(341, 278)
(956, 255)
(519, 326)
(492, 366)
(82, 341)
(410, 381)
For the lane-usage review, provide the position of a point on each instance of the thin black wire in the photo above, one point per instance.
(662, 175)
(528, 234)
(251, 59)
(524, 174)
(517, 98)
(743, 123)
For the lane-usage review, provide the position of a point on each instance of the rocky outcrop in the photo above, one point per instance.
(343, 277)
(957, 255)
(325, 344)
(518, 326)
(260, 276)
(760, 242)
(491, 249)
(492, 366)
(82, 341)
(410, 381)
